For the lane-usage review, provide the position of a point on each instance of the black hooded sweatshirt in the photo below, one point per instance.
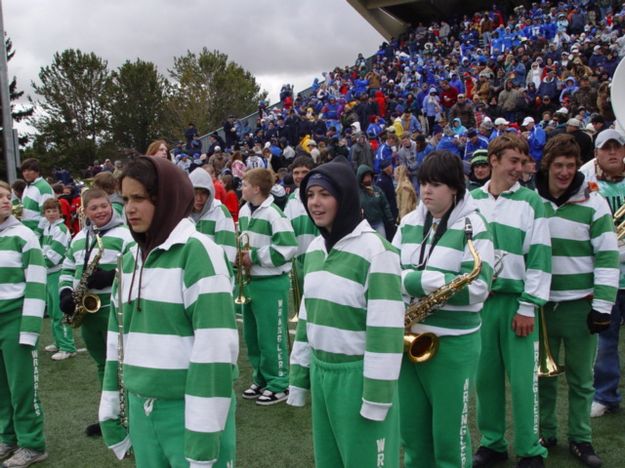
(349, 213)
(174, 202)
(542, 185)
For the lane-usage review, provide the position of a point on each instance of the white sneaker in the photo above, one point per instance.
(24, 457)
(6, 450)
(51, 348)
(598, 409)
(62, 355)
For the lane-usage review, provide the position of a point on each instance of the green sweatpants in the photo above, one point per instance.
(434, 404)
(265, 331)
(21, 416)
(63, 334)
(157, 433)
(566, 325)
(94, 329)
(506, 354)
(341, 436)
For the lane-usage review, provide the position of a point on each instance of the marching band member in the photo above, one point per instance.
(583, 289)
(272, 246)
(104, 222)
(180, 339)
(23, 285)
(509, 338)
(433, 247)
(55, 240)
(348, 345)
(36, 192)
(212, 217)
(304, 227)
(607, 170)
(107, 182)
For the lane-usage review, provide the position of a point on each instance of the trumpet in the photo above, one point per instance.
(620, 227)
(547, 365)
(17, 210)
(243, 245)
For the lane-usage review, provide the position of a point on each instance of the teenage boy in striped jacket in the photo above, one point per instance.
(348, 347)
(180, 338)
(272, 246)
(509, 336)
(54, 242)
(22, 301)
(583, 289)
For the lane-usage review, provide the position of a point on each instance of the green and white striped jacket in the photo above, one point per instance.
(351, 310)
(305, 229)
(35, 194)
(271, 237)
(520, 232)
(217, 223)
(22, 278)
(585, 252)
(115, 241)
(180, 339)
(449, 258)
(54, 243)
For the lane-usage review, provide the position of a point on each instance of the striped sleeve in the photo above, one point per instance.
(225, 233)
(383, 335)
(34, 293)
(208, 301)
(66, 279)
(606, 264)
(282, 247)
(537, 250)
(299, 372)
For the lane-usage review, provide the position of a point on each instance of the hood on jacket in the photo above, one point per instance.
(8, 223)
(200, 179)
(174, 202)
(116, 220)
(349, 213)
(362, 170)
(577, 190)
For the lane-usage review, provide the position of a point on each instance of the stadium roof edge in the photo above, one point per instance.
(392, 17)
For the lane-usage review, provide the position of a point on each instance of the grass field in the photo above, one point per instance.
(275, 437)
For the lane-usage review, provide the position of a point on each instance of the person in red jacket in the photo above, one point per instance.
(449, 96)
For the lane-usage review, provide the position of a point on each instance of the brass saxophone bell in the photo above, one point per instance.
(420, 347)
(91, 303)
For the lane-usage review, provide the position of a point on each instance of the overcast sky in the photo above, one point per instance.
(278, 41)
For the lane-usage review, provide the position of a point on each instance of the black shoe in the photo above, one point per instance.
(93, 430)
(531, 462)
(584, 452)
(485, 457)
(548, 442)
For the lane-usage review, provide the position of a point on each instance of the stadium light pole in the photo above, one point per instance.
(7, 119)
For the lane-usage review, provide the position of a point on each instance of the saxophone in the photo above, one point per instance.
(421, 347)
(86, 303)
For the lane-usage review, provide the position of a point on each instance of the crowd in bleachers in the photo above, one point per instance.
(538, 71)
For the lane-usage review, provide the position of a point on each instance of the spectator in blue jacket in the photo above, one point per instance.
(536, 138)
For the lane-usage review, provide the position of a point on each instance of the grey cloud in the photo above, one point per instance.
(270, 38)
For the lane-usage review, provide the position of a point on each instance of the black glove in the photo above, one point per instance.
(101, 279)
(67, 302)
(598, 322)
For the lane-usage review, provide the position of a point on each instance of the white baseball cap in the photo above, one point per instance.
(501, 121)
(607, 135)
(526, 121)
